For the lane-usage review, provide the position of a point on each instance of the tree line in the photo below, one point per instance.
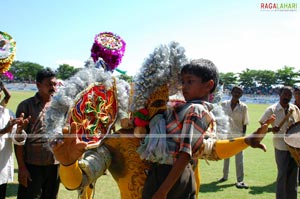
(26, 71)
(262, 78)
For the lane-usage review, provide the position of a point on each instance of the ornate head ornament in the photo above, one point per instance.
(157, 80)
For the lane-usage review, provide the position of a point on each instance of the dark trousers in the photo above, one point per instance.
(287, 176)
(44, 184)
(184, 188)
(3, 191)
(299, 175)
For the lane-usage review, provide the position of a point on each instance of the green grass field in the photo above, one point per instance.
(259, 168)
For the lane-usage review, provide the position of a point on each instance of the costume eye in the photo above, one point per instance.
(158, 103)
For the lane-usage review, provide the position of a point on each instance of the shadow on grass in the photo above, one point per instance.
(254, 190)
(214, 187)
(270, 188)
(12, 190)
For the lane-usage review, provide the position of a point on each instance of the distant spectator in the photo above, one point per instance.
(238, 120)
(217, 95)
(297, 103)
(287, 170)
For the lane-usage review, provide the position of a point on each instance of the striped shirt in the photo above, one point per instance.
(36, 149)
(187, 125)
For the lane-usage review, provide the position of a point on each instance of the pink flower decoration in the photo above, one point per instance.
(9, 75)
(110, 47)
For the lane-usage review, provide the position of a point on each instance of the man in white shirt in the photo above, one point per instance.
(237, 112)
(286, 183)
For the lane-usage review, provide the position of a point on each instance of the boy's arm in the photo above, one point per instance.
(175, 173)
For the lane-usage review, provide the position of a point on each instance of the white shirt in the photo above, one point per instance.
(6, 152)
(238, 117)
(278, 110)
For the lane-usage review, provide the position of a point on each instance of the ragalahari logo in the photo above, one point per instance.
(278, 6)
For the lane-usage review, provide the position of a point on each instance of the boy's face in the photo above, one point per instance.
(193, 88)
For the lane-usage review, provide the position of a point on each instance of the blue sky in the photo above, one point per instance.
(235, 35)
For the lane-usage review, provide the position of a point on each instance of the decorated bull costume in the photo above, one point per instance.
(128, 152)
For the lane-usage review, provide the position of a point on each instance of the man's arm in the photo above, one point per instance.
(244, 129)
(23, 175)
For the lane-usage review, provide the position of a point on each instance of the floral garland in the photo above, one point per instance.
(7, 51)
(109, 47)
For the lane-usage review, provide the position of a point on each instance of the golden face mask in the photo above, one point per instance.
(158, 100)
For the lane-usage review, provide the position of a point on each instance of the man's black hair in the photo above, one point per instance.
(44, 73)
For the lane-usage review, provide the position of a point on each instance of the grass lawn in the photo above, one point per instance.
(259, 168)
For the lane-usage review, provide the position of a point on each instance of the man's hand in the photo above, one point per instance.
(255, 138)
(22, 122)
(24, 176)
(69, 148)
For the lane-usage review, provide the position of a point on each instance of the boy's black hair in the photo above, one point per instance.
(44, 73)
(204, 69)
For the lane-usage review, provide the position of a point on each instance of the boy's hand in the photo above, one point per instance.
(69, 148)
(255, 138)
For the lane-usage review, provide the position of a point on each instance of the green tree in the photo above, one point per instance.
(228, 78)
(247, 78)
(287, 76)
(65, 71)
(266, 78)
(25, 71)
